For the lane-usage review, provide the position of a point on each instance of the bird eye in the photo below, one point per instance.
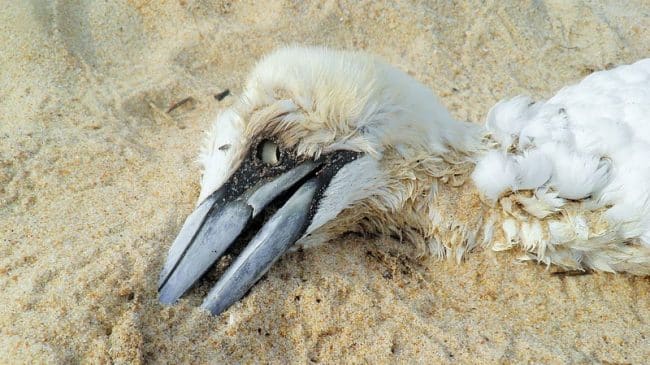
(269, 152)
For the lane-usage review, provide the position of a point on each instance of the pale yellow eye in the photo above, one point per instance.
(269, 153)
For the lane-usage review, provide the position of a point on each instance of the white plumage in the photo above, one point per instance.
(590, 143)
(566, 180)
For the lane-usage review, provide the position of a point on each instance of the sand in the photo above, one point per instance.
(97, 175)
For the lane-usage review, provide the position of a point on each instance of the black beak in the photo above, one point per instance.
(294, 186)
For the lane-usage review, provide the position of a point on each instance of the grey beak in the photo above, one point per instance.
(294, 187)
(215, 225)
(274, 239)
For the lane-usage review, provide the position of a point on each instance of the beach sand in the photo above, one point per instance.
(102, 109)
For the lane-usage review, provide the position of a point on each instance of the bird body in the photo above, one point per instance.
(562, 180)
(579, 165)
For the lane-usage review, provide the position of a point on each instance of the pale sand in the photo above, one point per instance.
(96, 178)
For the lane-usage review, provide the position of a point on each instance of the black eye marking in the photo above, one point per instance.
(225, 147)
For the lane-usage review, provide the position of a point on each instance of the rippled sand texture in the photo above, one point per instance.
(103, 106)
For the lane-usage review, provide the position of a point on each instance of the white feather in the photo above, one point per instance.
(596, 137)
(222, 149)
(364, 172)
(494, 174)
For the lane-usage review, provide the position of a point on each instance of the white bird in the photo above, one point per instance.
(323, 142)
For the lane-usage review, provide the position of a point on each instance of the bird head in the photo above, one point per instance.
(316, 135)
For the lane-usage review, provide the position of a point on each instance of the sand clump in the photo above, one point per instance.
(97, 175)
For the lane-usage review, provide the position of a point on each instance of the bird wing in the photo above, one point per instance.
(589, 143)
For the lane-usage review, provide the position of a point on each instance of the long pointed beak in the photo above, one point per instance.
(228, 213)
(213, 227)
(283, 229)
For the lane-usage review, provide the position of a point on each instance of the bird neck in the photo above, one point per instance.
(459, 220)
(431, 202)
